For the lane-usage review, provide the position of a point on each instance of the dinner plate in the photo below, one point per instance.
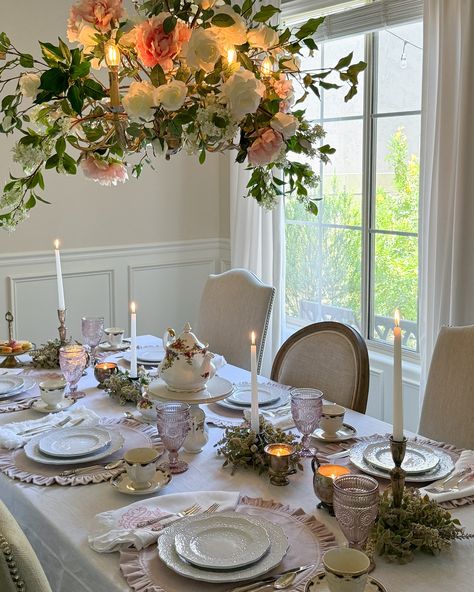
(154, 359)
(418, 458)
(28, 384)
(9, 384)
(444, 467)
(319, 583)
(283, 399)
(33, 452)
(242, 396)
(216, 389)
(345, 433)
(169, 555)
(75, 441)
(222, 542)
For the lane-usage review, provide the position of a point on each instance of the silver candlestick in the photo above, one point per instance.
(62, 326)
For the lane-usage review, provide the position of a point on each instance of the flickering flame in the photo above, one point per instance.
(56, 244)
(133, 307)
(253, 337)
(112, 54)
(231, 56)
(397, 318)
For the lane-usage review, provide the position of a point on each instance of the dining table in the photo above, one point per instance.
(57, 519)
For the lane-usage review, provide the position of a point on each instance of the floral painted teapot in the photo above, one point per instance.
(187, 365)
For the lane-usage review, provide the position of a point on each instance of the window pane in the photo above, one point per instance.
(342, 176)
(397, 173)
(395, 286)
(399, 80)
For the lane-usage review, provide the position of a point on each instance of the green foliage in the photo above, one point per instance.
(243, 448)
(419, 525)
(125, 389)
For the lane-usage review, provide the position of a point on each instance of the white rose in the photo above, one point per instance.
(236, 34)
(140, 100)
(243, 93)
(29, 85)
(171, 96)
(203, 50)
(262, 37)
(285, 123)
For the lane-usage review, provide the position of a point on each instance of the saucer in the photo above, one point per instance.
(318, 583)
(345, 433)
(41, 406)
(106, 346)
(123, 484)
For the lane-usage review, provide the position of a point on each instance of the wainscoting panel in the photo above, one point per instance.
(375, 403)
(165, 280)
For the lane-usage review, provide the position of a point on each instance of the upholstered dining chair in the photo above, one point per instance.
(447, 414)
(233, 304)
(330, 356)
(20, 569)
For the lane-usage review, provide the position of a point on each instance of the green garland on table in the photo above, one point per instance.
(47, 356)
(420, 524)
(243, 448)
(125, 389)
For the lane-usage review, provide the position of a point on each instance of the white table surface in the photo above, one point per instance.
(57, 519)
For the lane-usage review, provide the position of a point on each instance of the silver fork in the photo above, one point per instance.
(194, 509)
(43, 428)
(446, 487)
(210, 510)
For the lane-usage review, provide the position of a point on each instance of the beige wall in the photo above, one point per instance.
(180, 200)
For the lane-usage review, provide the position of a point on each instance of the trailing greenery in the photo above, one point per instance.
(243, 448)
(419, 525)
(47, 356)
(124, 389)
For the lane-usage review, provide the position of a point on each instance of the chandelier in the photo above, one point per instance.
(193, 75)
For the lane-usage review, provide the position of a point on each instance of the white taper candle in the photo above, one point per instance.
(133, 339)
(59, 277)
(397, 381)
(254, 421)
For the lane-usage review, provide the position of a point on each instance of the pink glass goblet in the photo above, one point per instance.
(306, 410)
(173, 422)
(92, 330)
(72, 361)
(356, 503)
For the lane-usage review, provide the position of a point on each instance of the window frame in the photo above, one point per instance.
(368, 229)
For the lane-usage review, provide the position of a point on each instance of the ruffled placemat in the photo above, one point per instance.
(308, 539)
(17, 465)
(329, 448)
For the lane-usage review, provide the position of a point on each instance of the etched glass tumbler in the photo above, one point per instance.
(72, 361)
(356, 503)
(92, 330)
(306, 410)
(173, 422)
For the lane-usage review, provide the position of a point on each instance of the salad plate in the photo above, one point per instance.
(74, 441)
(9, 384)
(418, 458)
(242, 396)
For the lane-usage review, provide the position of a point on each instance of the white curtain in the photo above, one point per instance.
(447, 183)
(256, 242)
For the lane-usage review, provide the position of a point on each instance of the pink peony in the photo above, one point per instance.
(98, 13)
(103, 172)
(154, 46)
(265, 148)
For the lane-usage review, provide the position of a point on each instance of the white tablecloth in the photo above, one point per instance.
(57, 519)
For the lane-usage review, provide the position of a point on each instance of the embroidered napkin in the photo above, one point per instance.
(113, 529)
(10, 433)
(466, 488)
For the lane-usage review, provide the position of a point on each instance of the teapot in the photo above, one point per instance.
(187, 365)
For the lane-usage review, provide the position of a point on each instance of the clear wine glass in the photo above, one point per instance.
(92, 330)
(356, 503)
(173, 422)
(306, 410)
(72, 361)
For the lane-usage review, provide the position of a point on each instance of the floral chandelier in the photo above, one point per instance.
(194, 75)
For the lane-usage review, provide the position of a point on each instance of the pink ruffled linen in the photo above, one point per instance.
(307, 537)
(16, 465)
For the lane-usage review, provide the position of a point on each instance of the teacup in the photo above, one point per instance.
(346, 569)
(141, 466)
(52, 392)
(332, 418)
(114, 336)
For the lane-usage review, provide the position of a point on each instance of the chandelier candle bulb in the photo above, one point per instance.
(231, 56)
(254, 421)
(397, 380)
(267, 67)
(59, 277)
(112, 59)
(133, 338)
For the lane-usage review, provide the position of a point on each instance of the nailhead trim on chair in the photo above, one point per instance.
(11, 564)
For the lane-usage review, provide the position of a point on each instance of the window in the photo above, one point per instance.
(357, 261)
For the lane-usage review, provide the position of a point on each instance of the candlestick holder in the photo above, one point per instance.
(62, 329)
(397, 474)
(280, 456)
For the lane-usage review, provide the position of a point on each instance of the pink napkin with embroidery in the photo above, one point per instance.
(113, 529)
